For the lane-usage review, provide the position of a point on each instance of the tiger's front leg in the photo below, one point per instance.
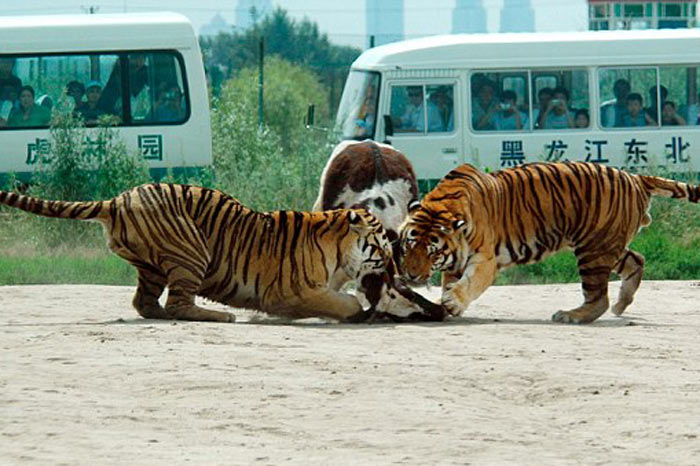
(479, 275)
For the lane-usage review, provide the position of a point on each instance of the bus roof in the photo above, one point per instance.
(536, 49)
(76, 33)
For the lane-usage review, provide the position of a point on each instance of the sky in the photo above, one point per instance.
(343, 21)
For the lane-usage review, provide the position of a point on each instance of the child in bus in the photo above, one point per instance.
(636, 116)
(557, 114)
(669, 115)
(508, 117)
(582, 118)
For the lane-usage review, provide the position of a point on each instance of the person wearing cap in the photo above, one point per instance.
(90, 111)
(76, 91)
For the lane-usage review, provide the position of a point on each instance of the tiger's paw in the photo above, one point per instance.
(567, 317)
(451, 301)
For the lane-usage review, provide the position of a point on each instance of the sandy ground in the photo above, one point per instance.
(84, 380)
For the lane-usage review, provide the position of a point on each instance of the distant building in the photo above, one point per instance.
(216, 25)
(517, 16)
(249, 12)
(469, 16)
(384, 21)
(636, 14)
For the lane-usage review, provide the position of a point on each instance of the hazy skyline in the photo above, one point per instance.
(344, 23)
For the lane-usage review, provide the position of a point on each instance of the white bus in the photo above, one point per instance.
(143, 70)
(623, 98)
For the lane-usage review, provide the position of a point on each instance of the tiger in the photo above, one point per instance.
(472, 224)
(202, 242)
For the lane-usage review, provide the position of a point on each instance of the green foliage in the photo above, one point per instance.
(86, 168)
(298, 42)
(277, 166)
(289, 89)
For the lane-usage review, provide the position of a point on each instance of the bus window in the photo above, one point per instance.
(91, 87)
(563, 105)
(408, 110)
(30, 87)
(442, 97)
(357, 110)
(156, 89)
(629, 97)
(500, 102)
(679, 84)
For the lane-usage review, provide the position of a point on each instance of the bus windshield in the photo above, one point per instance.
(358, 108)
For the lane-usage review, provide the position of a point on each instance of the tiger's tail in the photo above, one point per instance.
(669, 188)
(96, 210)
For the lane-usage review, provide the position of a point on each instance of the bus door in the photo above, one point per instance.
(425, 124)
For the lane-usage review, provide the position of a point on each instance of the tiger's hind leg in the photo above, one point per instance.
(321, 302)
(150, 287)
(630, 267)
(183, 284)
(594, 272)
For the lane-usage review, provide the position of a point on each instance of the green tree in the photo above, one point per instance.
(299, 42)
(277, 166)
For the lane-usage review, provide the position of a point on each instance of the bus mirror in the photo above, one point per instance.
(310, 115)
(388, 126)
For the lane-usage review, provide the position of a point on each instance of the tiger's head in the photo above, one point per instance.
(431, 241)
(371, 251)
(372, 264)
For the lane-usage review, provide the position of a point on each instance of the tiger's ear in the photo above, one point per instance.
(413, 205)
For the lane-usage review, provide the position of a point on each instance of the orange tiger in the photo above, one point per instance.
(199, 241)
(474, 224)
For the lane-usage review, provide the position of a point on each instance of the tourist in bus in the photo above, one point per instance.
(8, 102)
(557, 114)
(6, 76)
(29, 114)
(366, 113)
(508, 117)
(169, 105)
(443, 101)
(669, 115)
(582, 118)
(544, 96)
(636, 116)
(613, 111)
(653, 109)
(413, 118)
(76, 91)
(91, 111)
(484, 107)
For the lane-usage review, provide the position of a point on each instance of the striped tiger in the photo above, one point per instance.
(474, 224)
(202, 242)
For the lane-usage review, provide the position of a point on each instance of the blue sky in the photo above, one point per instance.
(343, 21)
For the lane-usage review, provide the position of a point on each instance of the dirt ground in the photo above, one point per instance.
(84, 380)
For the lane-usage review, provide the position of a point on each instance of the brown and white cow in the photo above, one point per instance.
(369, 174)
